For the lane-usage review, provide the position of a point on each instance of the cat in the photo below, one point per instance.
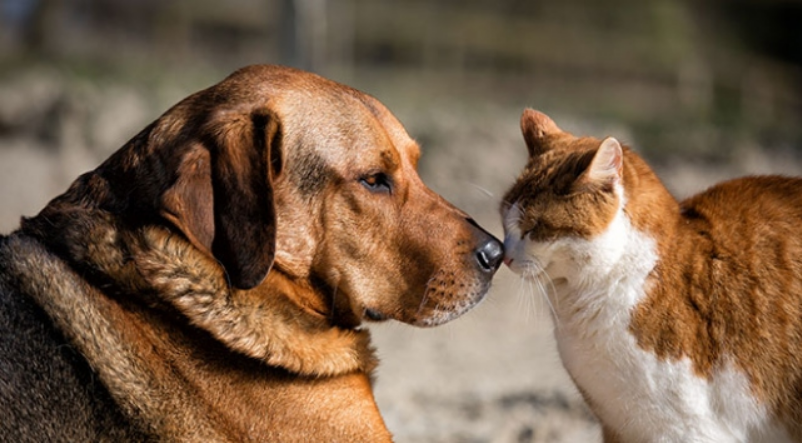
(677, 321)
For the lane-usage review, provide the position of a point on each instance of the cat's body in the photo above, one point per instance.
(678, 321)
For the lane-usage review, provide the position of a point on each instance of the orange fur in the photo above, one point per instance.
(725, 290)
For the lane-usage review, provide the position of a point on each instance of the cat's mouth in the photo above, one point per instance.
(524, 268)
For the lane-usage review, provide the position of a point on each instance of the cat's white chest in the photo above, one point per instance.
(646, 399)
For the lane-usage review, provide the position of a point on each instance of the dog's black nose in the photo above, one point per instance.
(489, 255)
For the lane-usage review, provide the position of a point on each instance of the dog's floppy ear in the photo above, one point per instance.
(222, 198)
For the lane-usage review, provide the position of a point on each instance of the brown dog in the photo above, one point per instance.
(207, 282)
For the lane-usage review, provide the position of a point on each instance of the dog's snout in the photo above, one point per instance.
(490, 254)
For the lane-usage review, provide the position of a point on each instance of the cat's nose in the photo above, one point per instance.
(489, 255)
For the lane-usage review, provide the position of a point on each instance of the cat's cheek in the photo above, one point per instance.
(558, 259)
(515, 266)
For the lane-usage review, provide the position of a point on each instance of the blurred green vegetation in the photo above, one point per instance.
(692, 78)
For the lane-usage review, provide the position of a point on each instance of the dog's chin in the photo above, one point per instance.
(432, 319)
(441, 317)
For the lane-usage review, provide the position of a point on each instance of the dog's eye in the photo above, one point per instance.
(377, 182)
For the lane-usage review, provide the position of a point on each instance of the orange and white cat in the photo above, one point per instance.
(678, 321)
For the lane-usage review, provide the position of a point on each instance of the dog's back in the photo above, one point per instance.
(47, 390)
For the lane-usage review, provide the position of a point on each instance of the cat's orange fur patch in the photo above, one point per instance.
(731, 273)
(727, 286)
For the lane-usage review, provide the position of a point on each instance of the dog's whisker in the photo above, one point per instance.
(422, 302)
(425, 296)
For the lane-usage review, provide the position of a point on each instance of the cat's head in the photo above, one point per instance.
(565, 199)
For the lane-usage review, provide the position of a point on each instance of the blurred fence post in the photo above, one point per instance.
(288, 36)
(342, 35)
(304, 32)
(39, 32)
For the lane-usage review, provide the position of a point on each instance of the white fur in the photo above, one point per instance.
(595, 284)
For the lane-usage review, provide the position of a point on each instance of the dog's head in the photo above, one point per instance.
(278, 168)
(354, 215)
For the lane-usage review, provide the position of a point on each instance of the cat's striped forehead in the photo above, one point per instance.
(545, 197)
(554, 172)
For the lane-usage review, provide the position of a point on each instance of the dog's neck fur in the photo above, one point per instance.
(113, 348)
(170, 379)
(279, 322)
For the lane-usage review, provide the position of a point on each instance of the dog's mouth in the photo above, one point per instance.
(437, 306)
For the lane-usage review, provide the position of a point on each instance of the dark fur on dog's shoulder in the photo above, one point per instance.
(56, 395)
(52, 321)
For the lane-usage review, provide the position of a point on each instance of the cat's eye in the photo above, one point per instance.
(377, 182)
(528, 234)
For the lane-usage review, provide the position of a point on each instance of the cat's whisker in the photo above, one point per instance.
(551, 290)
(532, 303)
(532, 296)
(483, 190)
(547, 299)
(521, 291)
(532, 273)
(535, 272)
(537, 293)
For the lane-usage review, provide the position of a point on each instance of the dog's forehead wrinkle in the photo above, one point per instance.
(311, 172)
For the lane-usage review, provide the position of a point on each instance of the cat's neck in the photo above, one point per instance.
(606, 277)
(620, 260)
(651, 209)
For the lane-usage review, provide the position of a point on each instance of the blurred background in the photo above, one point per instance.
(704, 89)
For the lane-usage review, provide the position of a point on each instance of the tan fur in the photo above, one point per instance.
(155, 372)
(727, 286)
(215, 271)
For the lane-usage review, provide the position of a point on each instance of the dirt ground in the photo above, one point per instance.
(493, 375)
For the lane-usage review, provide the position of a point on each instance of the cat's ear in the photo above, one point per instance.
(606, 167)
(536, 126)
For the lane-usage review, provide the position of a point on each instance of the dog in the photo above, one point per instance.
(208, 281)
